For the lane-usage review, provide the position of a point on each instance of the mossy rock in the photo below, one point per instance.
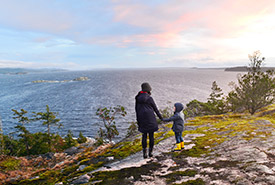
(33, 182)
(222, 164)
(177, 175)
(69, 170)
(123, 176)
(51, 176)
(10, 164)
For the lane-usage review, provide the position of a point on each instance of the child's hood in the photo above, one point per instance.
(179, 107)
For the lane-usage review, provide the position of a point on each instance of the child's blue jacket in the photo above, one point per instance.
(178, 121)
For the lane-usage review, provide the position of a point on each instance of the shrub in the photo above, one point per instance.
(132, 129)
(69, 140)
(108, 116)
(81, 138)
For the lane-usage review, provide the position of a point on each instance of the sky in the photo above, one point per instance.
(91, 34)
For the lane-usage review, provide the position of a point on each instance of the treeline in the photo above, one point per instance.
(28, 143)
(254, 90)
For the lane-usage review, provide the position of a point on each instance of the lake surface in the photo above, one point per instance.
(77, 101)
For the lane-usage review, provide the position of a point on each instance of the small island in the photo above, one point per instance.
(83, 78)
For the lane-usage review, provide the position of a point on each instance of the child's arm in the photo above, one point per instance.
(173, 118)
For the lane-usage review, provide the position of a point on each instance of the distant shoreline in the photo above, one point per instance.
(245, 69)
(23, 71)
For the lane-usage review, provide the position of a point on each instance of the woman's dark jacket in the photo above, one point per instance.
(145, 112)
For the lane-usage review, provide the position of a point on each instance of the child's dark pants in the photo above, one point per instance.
(178, 136)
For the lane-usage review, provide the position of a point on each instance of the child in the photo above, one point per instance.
(178, 119)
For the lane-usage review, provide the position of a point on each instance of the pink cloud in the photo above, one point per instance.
(231, 18)
(166, 22)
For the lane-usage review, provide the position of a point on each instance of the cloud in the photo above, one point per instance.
(58, 42)
(42, 39)
(14, 64)
(24, 64)
(38, 15)
(165, 23)
(155, 24)
(174, 31)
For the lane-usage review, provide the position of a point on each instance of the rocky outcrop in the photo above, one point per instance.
(49, 81)
(220, 149)
(83, 78)
(236, 161)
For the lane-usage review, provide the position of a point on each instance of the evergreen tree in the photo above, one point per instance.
(81, 138)
(24, 133)
(255, 89)
(49, 119)
(216, 104)
(69, 140)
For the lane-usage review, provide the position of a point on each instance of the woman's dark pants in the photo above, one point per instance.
(144, 144)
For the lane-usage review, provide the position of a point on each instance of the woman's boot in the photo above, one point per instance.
(145, 153)
(150, 152)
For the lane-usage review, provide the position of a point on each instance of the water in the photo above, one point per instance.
(77, 102)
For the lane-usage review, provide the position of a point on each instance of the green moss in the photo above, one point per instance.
(51, 176)
(127, 148)
(177, 175)
(93, 167)
(84, 161)
(223, 127)
(33, 182)
(70, 169)
(122, 176)
(10, 164)
(158, 134)
(124, 149)
(222, 164)
(196, 151)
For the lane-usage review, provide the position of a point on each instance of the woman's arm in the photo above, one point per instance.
(155, 108)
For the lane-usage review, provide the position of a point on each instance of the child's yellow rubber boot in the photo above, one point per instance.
(178, 147)
(182, 145)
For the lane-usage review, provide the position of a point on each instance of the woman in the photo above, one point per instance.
(145, 112)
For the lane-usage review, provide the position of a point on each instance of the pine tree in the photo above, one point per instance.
(255, 89)
(24, 133)
(216, 104)
(48, 118)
